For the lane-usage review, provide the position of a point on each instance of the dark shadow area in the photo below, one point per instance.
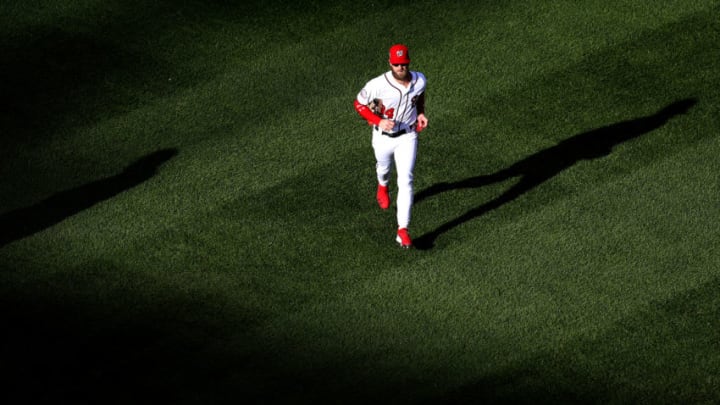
(45, 76)
(117, 348)
(121, 348)
(23, 222)
(169, 348)
(59, 78)
(542, 166)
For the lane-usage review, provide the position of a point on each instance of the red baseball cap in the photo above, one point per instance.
(399, 54)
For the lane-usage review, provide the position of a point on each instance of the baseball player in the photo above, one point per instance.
(394, 105)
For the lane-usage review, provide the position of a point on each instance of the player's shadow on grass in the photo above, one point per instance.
(23, 222)
(543, 165)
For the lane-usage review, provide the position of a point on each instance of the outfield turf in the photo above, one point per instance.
(187, 208)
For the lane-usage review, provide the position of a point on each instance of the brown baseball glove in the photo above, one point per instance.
(376, 106)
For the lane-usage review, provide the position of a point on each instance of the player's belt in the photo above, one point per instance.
(393, 134)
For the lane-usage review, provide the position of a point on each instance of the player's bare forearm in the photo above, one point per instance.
(420, 104)
(422, 120)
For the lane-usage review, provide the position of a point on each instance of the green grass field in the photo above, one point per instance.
(187, 204)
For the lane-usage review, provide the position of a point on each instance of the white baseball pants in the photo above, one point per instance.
(402, 150)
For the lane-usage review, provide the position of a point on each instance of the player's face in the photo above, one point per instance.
(400, 71)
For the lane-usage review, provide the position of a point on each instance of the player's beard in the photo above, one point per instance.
(403, 76)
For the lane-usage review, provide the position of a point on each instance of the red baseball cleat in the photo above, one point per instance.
(383, 198)
(403, 238)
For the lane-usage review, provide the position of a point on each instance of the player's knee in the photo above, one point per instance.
(405, 182)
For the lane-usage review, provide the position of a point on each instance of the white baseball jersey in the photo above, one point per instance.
(398, 102)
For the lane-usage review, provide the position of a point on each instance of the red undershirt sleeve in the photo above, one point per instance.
(366, 113)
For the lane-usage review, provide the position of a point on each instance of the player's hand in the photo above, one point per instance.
(422, 123)
(386, 125)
